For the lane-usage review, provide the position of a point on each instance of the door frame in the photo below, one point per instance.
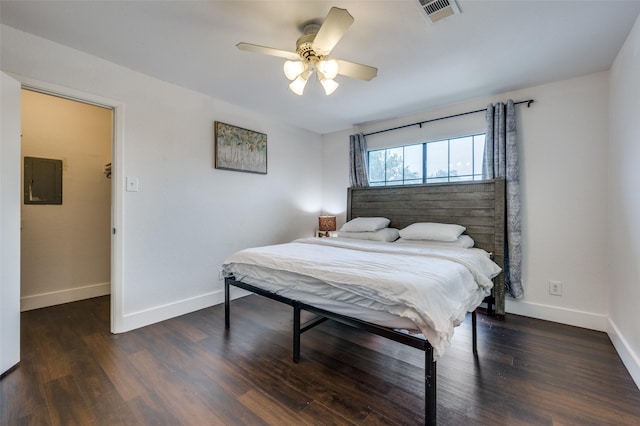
(117, 185)
(9, 224)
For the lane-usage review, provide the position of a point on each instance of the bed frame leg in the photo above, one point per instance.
(474, 332)
(296, 334)
(490, 300)
(226, 304)
(429, 387)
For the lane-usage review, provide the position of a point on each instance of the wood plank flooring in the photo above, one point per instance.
(189, 371)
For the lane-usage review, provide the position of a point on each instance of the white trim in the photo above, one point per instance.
(65, 92)
(117, 220)
(43, 300)
(630, 359)
(170, 310)
(9, 222)
(555, 314)
(117, 190)
(74, 98)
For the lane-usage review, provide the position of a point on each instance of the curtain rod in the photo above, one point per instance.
(420, 123)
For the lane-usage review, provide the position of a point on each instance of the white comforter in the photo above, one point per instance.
(432, 286)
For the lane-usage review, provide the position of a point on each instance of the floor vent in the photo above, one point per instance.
(436, 10)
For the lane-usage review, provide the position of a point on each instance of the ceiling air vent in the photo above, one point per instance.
(437, 10)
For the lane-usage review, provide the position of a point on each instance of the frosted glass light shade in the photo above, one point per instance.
(329, 85)
(329, 69)
(292, 69)
(297, 85)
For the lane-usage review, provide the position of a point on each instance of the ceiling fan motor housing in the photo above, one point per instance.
(304, 48)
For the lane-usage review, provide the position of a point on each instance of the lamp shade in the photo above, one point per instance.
(329, 86)
(297, 85)
(293, 69)
(327, 223)
(328, 69)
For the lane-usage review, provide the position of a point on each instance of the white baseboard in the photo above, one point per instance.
(555, 314)
(170, 310)
(582, 319)
(630, 359)
(43, 300)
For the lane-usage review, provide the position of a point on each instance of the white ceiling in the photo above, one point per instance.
(492, 47)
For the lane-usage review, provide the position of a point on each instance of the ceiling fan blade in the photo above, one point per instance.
(354, 70)
(333, 28)
(254, 48)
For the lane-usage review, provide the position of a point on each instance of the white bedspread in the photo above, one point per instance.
(433, 287)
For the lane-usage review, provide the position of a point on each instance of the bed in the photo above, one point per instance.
(297, 273)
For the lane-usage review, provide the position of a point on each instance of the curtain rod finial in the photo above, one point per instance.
(529, 102)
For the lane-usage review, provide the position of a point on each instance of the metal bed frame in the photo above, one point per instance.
(298, 329)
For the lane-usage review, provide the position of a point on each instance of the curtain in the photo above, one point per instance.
(358, 161)
(501, 161)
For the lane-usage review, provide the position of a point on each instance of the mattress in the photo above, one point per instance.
(423, 289)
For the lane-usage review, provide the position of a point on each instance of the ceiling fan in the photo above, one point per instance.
(312, 54)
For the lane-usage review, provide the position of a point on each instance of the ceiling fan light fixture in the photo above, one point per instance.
(328, 68)
(292, 69)
(329, 85)
(312, 53)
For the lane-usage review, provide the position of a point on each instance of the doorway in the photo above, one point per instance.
(66, 246)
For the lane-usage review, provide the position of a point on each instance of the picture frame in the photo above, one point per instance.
(239, 149)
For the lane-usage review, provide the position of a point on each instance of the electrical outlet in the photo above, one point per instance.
(555, 288)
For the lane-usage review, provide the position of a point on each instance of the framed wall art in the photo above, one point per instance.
(240, 149)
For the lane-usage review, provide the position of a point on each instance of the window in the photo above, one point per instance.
(448, 160)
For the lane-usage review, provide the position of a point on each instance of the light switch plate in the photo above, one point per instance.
(132, 184)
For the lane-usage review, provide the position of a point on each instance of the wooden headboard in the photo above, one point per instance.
(479, 206)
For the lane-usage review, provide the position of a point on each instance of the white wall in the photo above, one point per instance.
(335, 174)
(624, 202)
(187, 216)
(563, 139)
(65, 250)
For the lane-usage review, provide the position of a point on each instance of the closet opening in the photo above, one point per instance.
(67, 192)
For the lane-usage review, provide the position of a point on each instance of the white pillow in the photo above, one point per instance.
(385, 234)
(463, 241)
(432, 231)
(365, 224)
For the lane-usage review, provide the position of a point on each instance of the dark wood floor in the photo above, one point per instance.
(188, 371)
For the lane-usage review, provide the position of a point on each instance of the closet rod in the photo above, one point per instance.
(420, 123)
